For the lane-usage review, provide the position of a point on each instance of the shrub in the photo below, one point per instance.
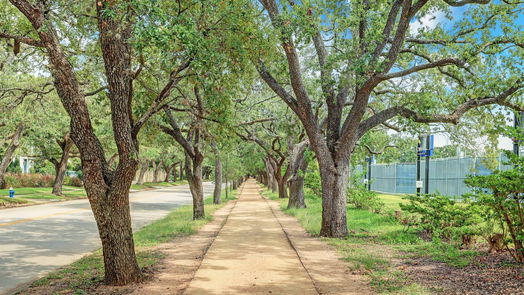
(503, 194)
(74, 181)
(361, 198)
(29, 180)
(445, 219)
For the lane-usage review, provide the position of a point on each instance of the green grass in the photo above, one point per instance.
(83, 275)
(392, 202)
(6, 201)
(28, 194)
(149, 185)
(375, 241)
(177, 223)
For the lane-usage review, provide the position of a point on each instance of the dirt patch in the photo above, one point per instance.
(493, 274)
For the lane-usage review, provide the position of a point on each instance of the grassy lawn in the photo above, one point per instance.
(391, 201)
(6, 201)
(376, 242)
(30, 194)
(88, 272)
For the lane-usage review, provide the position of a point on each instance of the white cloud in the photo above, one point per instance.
(428, 21)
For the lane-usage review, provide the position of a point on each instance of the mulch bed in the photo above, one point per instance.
(491, 274)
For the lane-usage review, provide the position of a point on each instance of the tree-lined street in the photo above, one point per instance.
(37, 239)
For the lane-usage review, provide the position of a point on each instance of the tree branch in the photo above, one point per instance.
(22, 39)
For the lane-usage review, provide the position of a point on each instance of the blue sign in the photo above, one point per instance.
(423, 145)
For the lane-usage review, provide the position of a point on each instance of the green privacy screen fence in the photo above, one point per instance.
(446, 176)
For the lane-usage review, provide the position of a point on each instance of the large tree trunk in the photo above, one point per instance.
(144, 166)
(194, 177)
(8, 155)
(334, 185)
(114, 225)
(61, 166)
(218, 180)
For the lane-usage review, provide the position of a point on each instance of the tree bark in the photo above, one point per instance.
(297, 167)
(334, 185)
(167, 170)
(194, 177)
(8, 155)
(61, 166)
(296, 193)
(218, 179)
(282, 187)
(144, 166)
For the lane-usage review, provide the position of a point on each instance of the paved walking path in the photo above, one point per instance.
(251, 254)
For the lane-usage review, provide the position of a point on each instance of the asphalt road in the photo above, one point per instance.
(37, 239)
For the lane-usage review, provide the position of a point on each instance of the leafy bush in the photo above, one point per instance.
(445, 219)
(29, 180)
(74, 181)
(361, 198)
(503, 193)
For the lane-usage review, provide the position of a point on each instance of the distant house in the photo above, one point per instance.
(26, 163)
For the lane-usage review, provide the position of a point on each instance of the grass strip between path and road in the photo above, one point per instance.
(378, 245)
(31, 195)
(88, 272)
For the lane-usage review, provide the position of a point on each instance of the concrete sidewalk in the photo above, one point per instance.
(251, 254)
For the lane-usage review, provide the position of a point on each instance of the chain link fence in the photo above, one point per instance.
(446, 176)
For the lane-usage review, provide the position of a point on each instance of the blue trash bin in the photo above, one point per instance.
(11, 193)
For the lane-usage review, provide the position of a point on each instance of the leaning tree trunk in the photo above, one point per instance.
(6, 159)
(218, 180)
(143, 169)
(334, 186)
(61, 166)
(194, 176)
